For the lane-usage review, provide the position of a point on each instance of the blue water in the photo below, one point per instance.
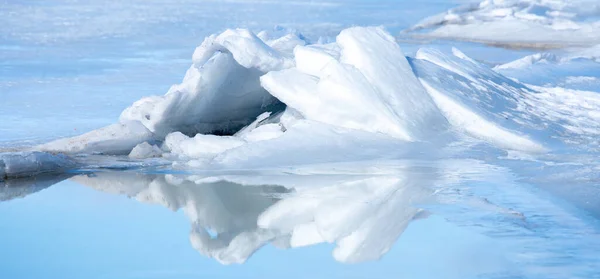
(129, 224)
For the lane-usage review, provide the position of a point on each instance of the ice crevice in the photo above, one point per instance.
(251, 101)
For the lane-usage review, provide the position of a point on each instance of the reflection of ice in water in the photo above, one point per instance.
(232, 216)
(22, 187)
(223, 214)
(363, 215)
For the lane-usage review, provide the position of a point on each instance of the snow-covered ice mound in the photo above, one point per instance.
(248, 102)
(363, 82)
(477, 100)
(220, 94)
(519, 23)
(221, 91)
(505, 112)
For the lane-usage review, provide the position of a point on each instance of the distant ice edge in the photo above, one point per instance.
(250, 100)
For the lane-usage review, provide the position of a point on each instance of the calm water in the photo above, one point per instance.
(418, 221)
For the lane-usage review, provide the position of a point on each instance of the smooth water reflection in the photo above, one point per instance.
(362, 215)
(417, 221)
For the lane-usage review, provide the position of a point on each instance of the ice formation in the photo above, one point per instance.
(221, 92)
(475, 99)
(519, 23)
(363, 82)
(505, 112)
(24, 164)
(145, 150)
(116, 139)
(248, 102)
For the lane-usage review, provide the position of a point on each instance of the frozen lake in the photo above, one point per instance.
(370, 153)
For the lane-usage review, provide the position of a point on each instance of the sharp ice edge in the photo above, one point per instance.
(357, 98)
